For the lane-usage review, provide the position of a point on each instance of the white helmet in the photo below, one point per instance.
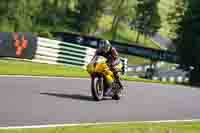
(104, 46)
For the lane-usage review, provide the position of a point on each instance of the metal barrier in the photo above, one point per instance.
(57, 52)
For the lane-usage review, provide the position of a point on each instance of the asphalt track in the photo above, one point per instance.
(26, 101)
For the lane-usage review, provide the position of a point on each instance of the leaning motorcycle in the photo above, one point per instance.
(101, 76)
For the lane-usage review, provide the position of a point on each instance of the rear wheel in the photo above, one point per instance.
(97, 88)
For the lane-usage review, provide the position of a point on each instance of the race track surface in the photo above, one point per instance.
(26, 101)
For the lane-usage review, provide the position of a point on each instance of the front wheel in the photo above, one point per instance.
(97, 88)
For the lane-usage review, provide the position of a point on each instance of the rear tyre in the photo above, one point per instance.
(97, 88)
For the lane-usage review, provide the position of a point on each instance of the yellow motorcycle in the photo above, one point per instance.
(101, 76)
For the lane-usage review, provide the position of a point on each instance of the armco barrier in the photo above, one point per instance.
(49, 51)
(57, 52)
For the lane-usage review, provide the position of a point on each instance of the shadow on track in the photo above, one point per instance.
(70, 96)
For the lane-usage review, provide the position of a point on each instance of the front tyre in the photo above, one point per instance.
(97, 87)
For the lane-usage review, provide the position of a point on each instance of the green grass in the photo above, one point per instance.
(124, 34)
(20, 67)
(128, 36)
(16, 67)
(27, 68)
(134, 60)
(118, 128)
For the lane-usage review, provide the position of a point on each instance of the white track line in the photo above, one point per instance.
(46, 77)
(96, 124)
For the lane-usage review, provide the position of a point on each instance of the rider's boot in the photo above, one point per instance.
(121, 86)
(118, 80)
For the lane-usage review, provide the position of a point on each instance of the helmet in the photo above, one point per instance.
(104, 46)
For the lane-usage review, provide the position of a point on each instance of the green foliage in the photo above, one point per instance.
(23, 15)
(147, 17)
(16, 15)
(89, 13)
(188, 35)
(122, 10)
(64, 15)
(174, 17)
(86, 16)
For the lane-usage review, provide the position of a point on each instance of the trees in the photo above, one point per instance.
(51, 15)
(17, 16)
(174, 17)
(188, 38)
(55, 15)
(89, 12)
(4, 4)
(147, 17)
(121, 10)
(53, 12)
(187, 34)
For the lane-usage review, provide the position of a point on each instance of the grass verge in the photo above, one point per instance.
(134, 60)
(28, 68)
(18, 67)
(183, 127)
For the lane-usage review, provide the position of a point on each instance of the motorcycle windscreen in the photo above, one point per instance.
(18, 45)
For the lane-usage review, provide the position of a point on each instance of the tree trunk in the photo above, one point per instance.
(116, 28)
(113, 27)
(138, 37)
(116, 21)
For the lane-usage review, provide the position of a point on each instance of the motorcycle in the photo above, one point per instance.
(101, 76)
